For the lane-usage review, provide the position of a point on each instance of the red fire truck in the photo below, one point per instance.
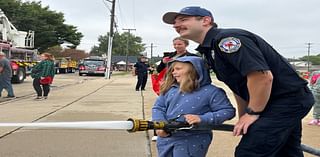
(18, 47)
(22, 61)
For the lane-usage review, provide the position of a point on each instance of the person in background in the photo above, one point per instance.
(180, 45)
(272, 98)
(314, 85)
(141, 70)
(187, 93)
(5, 76)
(43, 70)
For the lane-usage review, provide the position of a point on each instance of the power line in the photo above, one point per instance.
(134, 15)
(123, 19)
(106, 5)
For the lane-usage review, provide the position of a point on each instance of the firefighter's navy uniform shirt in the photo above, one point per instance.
(234, 53)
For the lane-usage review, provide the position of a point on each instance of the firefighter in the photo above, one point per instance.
(272, 98)
(141, 70)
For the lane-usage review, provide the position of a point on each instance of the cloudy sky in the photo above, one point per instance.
(288, 25)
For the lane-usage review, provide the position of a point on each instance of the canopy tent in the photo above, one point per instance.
(157, 63)
(121, 63)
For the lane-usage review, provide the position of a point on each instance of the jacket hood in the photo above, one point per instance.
(198, 64)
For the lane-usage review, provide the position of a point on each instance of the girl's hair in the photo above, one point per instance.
(186, 41)
(48, 55)
(189, 84)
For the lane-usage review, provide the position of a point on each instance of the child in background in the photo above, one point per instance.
(315, 88)
(187, 93)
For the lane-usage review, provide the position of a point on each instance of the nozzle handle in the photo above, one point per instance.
(143, 125)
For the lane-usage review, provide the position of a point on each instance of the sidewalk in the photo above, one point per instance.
(92, 100)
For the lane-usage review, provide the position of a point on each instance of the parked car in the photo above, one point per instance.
(91, 66)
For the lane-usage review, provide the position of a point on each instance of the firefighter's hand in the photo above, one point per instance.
(192, 119)
(243, 124)
(162, 133)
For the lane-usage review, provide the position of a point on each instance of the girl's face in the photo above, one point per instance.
(180, 71)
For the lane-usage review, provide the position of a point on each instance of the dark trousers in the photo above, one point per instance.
(37, 87)
(277, 133)
(265, 138)
(142, 81)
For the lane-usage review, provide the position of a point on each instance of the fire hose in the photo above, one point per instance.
(171, 126)
(134, 125)
(143, 125)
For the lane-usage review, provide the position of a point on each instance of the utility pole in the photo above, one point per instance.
(151, 47)
(309, 46)
(151, 51)
(127, 53)
(108, 71)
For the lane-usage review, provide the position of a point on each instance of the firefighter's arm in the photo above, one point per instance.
(259, 84)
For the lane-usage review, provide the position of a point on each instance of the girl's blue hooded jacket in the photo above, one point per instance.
(208, 101)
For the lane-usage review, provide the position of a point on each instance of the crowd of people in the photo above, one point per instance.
(42, 74)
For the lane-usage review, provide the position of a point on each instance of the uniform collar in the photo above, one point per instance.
(207, 42)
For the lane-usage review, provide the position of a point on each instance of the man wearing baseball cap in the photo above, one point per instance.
(271, 97)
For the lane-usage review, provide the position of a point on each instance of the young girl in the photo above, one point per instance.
(187, 93)
(43, 69)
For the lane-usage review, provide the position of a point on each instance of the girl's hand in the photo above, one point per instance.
(192, 119)
(162, 133)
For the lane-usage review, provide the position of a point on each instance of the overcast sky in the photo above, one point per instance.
(288, 25)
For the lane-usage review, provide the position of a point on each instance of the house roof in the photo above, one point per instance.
(131, 59)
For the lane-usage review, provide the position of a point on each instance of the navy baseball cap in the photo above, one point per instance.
(169, 17)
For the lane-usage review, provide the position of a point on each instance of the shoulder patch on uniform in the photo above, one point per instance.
(229, 44)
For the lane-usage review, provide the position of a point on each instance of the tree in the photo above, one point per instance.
(95, 51)
(48, 25)
(74, 54)
(55, 51)
(315, 60)
(119, 46)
